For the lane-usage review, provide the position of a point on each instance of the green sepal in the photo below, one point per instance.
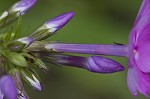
(35, 74)
(18, 28)
(37, 61)
(13, 71)
(40, 64)
(40, 34)
(17, 59)
(9, 35)
(28, 74)
(23, 74)
(16, 46)
(11, 17)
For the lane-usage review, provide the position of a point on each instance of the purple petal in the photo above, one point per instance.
(8, 87)
(1, 95)
(139, 41)
(138, 81)
(59, 21)
(142, 48)
(23, 5)
(132, 81)
(142, 20)
(116, 50)
(143, 16)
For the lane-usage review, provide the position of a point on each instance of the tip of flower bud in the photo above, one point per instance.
(23, 5)
(103, 65)
(34, 82)
(59, 21)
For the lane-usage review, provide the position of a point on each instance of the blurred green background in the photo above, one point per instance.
(95, 21)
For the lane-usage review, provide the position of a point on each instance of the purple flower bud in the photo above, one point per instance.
(95, 64)
(34, 82)
(51, 26)
(7, 87)
(58, 22)
(103, 65)
(23, 5)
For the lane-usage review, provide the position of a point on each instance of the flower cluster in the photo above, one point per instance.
(20, 57)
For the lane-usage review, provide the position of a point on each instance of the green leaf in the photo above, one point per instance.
(18, 28)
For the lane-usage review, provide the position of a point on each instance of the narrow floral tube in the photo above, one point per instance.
(113, 50)
(7, 87)
(51, 26)
(95, 64)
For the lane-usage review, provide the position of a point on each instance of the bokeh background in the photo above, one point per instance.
(95, 21)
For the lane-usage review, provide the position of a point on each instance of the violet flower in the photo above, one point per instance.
(139, 56)
(7, 88)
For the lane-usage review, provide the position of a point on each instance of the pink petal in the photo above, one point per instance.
(138, 81)
(132, 81)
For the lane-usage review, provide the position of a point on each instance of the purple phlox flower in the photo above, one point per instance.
(139, 55)
(7, 88)
(23, 5)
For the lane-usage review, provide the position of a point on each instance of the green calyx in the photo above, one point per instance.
(15, 57)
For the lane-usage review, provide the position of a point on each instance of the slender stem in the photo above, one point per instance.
(111, 50)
